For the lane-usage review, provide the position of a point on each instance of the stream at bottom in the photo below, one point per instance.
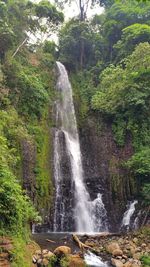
(65, 239)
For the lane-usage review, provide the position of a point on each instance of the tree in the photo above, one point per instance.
(126, 88)
(104, 3)
(6, 31)
(21, 19)
(72, 36)
(118, 17)
(132, 36)
(48, 19)
(123, 95)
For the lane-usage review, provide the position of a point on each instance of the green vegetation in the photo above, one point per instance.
(43, 171)
(109, 57)
(26, 96)
(145, 261)
(64, 262)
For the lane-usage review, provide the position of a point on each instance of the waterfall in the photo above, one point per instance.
(128, 214)
(85, 211)
(136, 222)
(99, 214)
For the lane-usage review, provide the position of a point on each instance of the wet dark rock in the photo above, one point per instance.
(102, 159)
(65, 201)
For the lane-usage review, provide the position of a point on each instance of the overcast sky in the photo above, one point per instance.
(70, 11)
(73, 10)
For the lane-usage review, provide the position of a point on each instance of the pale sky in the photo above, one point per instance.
(70, 11)
(73, 10)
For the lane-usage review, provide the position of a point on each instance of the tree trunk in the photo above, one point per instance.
(82, 54)
(18, 48)
(82, 18)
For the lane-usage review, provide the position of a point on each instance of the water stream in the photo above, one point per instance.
(94, 261)
(87, 215)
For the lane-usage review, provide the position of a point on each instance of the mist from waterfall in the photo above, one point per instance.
(87, 214)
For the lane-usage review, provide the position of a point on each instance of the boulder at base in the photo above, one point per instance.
(62, 251)
(112, 246)
(117, 252)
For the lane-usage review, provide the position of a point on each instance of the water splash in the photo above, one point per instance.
(93, 260)
(136, 222)
(99, 214)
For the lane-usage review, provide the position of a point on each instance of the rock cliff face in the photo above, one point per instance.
(36, 168)
(104, 173)
(64, 198)
(103, 170)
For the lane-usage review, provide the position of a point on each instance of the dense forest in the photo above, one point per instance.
(107, 57)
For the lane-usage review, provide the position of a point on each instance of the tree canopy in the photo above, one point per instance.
(112, 53)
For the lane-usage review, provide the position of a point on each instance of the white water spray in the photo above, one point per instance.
(93, 260)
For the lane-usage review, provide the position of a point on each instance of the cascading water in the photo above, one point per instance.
(99, 214)
(128, 214)
(93, 260)
(86, 213)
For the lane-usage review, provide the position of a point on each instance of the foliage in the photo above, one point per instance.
(107, 37)
(139, 166)
(29, 92)
(83, 87)
(123, 97)
(44, 9)
(22, 251)
(113, 82)
(25, 93)
(50, 47)
(125, 89)
(132, 36)
(140, 162)
(15, 208)
(116, 18)
(110, 56)
(64, 262)
(146, 194)
(49, 19)
(76, 44)
(21, 19)
(145, 260)
(105, 3)
(44, 188)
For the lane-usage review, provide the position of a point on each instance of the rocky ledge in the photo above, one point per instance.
(130, 250)
(60, 257)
